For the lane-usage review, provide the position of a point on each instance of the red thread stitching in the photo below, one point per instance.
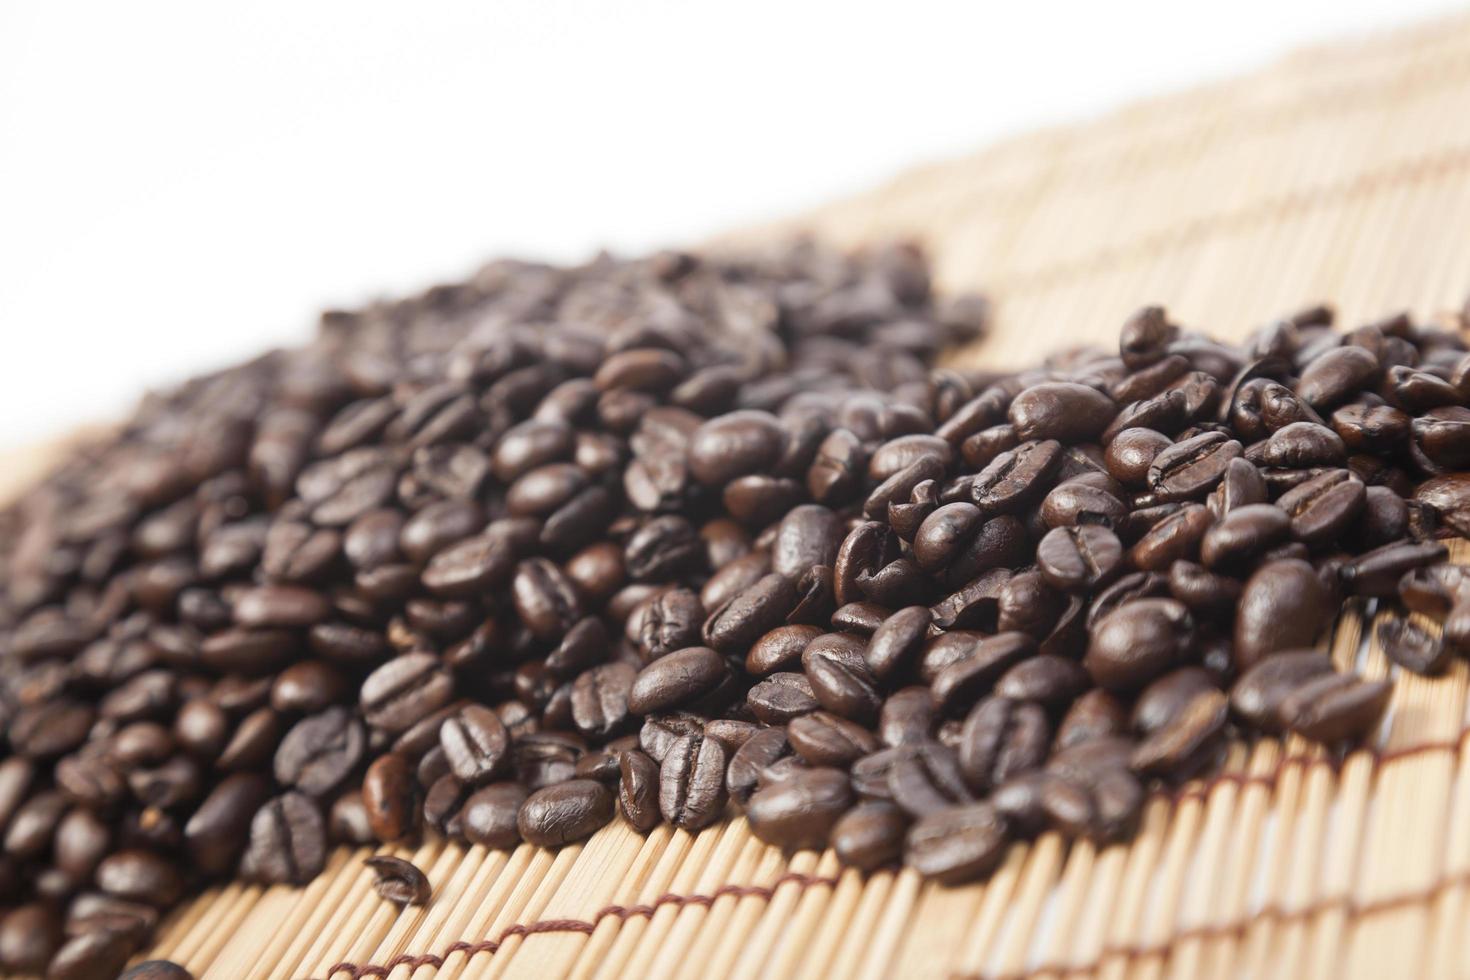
(622, 912)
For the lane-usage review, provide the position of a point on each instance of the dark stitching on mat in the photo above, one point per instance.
(622, 912)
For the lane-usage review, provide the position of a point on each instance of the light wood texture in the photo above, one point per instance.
(1340, 174)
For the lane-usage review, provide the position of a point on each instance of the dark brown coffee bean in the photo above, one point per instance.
(1079, 558)
(1259, 694)
(1243, 535)
(908, 715)
(681, 678)
(94, 955)
(750, 761)
(1283, 606)
(287, 842)
(347, 820)
(545, 599)
(565, 812)
(1001, 738)
(1139, 641)
(320, 752)
(1173, 748)
(1190, 469)
(759, 608)
(1177, 537)
(1412, 647)
(1063, 411)
(926, 777)
(218, 831)
(781, 697)
(1434, 590)
(490, 815)
(1078, 503)
(156, 970)
(1047, 679)
(780, 649)
(841, 680)
(669, 621)
(692, 782)
(638, 789)
(475, 744)
(1094, 715)
(404, 690)
(1241, 486)
(735, 444)
(1377, 573)
(271, 606)
(1336, 375)
(398, 881)
(1016, 478)
(800, 811)
(957, 844)
(1334, 707)
(824, 739)
(870, 835)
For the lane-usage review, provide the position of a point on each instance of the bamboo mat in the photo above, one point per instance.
(1342, 174)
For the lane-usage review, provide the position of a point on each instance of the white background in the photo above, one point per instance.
(185, 183)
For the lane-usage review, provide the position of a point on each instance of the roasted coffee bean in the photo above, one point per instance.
(691, 792)
(870, 835)
(444, 804)
(1094, 715)
(156, 970)
(287, 842)
(217, 832)
(1434, 591)
(565, 812)
(1048, 679)
(1079, 558)
(957, 844)
(1190, 469)
(1139, 641)
(1333, 707)
(94, 955)
(1261, 691)
(638, 790)
(800, 811)
(1412, 647)
(669, 621)
(404, 690)
(1063, 411)
(1242, 536)
(1284, 605)
(545, 598)
(1241, 486)
(781, 697)
(398, 881)
(742, 619)
(1076, 503)
(824, 739)
(732, 445)
(750, 761)
(320, 752)
(841, 681)
(781, 648)
(1001, 737)
(476, 744)
(681, 678)
(1177, 537)
(1016, 478)
(1173, 748)
(1377, 573)
(1336, 375)
(489, 816)
(926, 777)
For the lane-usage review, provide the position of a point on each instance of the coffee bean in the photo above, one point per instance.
(691, 792)
(681, 678)
(404, 690)
(156, 970)
(732, 445)
(735, 625)
(476, 744)
(217, 832)
(1016, 478)
(1336, 375)
(1094, 715)
(1002, 737)
(669, 621)
(1333, 707)
(1079, 558)
(825, 739)
(781, 648)
(1190, 469)
(545, 598)
(1261, 691)
(139, 876)
(1177, 537)
(398, 881)
(1284, 605)
(490, 815)
(781, 698)
(320, 752)
(1173, 748)
(957, 844)
(799, 812)
(750, 761)
(1137, 642)
(1377, 573)
(91, 956)
(1412, 647)
(287, 842)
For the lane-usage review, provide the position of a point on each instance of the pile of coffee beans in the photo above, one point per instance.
(660, 537)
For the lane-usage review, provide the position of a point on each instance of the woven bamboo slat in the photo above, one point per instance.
(1341, 173)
